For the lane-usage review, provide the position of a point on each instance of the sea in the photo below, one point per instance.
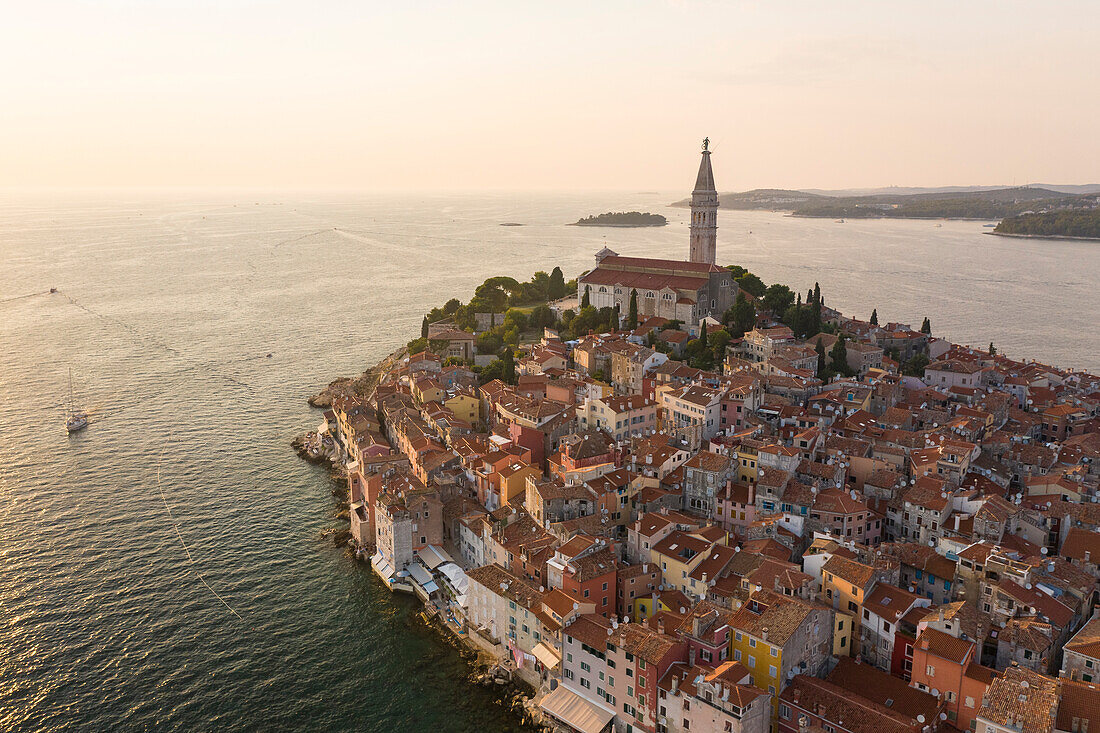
(166, 569)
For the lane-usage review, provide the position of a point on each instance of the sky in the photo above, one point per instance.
(441, 96)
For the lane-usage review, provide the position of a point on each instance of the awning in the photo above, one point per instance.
(419, 574)
(456, 576)
(433, 556)
(547, 655)
(576, 712)
(382, 566)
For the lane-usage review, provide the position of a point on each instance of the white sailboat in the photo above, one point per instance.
(77, 419)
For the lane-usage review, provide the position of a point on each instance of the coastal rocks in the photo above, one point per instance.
(314, 448)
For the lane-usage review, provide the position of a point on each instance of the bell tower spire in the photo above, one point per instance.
(704, 212)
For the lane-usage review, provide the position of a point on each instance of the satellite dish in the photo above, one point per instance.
(920, 718)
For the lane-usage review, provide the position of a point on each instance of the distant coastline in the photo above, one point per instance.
(964, 205)
(627, 219)
(1044, 236)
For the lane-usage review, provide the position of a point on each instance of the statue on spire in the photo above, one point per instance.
(706, 143)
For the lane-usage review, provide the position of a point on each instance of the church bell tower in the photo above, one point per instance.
(704, 212)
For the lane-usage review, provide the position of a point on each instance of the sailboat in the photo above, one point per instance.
(77, 419)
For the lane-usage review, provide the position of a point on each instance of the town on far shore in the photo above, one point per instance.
(671, 499)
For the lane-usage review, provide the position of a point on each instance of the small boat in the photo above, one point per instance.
(838, 221)
(938, 224)
(77, 419)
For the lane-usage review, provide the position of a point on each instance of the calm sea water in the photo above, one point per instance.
(168, 308)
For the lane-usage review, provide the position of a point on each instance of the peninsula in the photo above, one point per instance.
(622, 219)
(1072, 224)
(667, 496)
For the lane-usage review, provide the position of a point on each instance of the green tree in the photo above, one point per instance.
(557, 284)
(540, 317)
(508, 357)
(451, 306)
(516, 318)
(489, 343)
(491, 296)
(839, 356)
(741, 316)
(719, 340)
(926, 327)
(874, 316)
(820, 349)
(703, 336)
(752, 285)
(632, 316)
(424, 328)
(915, 366)
(778, 298)
(992, 349)
(586, 299)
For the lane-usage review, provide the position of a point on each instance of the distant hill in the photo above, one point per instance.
(989, 203)
(622, 219)
(1069, 224)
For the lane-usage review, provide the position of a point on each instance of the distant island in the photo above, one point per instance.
(622, 219)
(1069, 224)
(967, 203)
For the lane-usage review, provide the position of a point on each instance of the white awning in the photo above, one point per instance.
(384, 569)
(546, 654)
(576, 712)
(456, 576)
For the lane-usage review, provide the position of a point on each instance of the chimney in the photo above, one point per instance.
(675, 683)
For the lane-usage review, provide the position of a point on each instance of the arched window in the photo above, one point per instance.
(650, 294)
(603, 289)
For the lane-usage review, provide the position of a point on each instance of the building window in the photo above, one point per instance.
(931, 671)
(784, 712)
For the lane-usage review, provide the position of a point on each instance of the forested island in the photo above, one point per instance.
(995, 203)
(622, 219)
(1071, 224)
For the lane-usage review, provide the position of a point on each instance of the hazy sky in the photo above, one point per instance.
(399, 94)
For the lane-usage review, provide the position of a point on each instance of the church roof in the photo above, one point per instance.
(704, 182)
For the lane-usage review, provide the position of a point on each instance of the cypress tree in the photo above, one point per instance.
(926, 327)
(839, 355)
(586, 300)
(874, 316)
(992, 349)
(703, 335)
(424, 328)
(632, 314)
(557, 283)
(820, 349)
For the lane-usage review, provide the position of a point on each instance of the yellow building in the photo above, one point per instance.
(846, 584)
(842, 634)
(748, 470)
(464, 406)
(428, 390)
(776, 637)
(513, 479)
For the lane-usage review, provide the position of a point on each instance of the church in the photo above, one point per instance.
(686, 291)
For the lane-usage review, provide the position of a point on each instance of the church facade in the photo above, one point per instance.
(686, 291)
